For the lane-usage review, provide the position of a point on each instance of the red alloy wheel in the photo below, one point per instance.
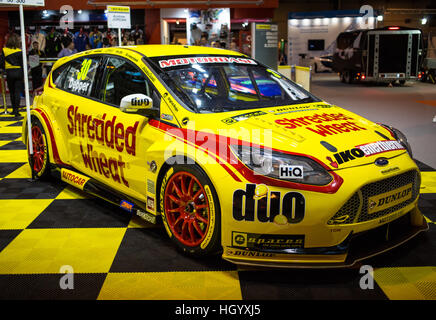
(38, 149)
(187, 209)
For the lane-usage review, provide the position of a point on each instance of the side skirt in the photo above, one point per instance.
(96, 188)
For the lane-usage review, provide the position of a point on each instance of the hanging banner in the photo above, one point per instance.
(23, 2)
(264, 45)
(118, 17)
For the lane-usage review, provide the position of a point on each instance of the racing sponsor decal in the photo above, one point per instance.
(167, 117)
(256, 203)
(389, 199)
(244, 253)
(107, 132)
(82, 83)
(73, 178)
(266, 241)
(391, 217)
(345, 156)
(150, 203)
(196, 60)
(149, 74)
(243, 116)
(126, 205)
(140, 102)
(211, 217)
(364, 150)
(146, 216)
(314, 123)
(78, 86)
(390, 170)
(371, 149)
(291, 172)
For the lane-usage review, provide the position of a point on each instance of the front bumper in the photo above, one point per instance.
(355, 248)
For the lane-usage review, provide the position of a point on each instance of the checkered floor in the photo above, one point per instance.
(47, 225)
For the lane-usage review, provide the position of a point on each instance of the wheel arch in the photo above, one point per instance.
(164, 169)
(50, 133)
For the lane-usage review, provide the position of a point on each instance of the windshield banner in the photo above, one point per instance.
(195, 60)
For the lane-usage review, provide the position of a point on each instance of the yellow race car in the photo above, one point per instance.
(229, 154)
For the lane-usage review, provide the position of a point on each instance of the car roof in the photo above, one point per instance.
(151, 50)
(159, 50)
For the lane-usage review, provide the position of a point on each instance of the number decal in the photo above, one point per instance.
(86, 64)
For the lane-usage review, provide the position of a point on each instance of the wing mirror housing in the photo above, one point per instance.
(138, 103)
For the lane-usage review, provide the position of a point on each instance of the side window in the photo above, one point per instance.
(268, 88)
(81, 75)
(241, 86)
(59, 75)
(122, 78)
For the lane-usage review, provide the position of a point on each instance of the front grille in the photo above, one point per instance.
(356, 208)
(347, 214)
(386, 186)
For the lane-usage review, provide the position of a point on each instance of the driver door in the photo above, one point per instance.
(125, 138)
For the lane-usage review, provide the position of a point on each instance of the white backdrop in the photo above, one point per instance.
(327, 29)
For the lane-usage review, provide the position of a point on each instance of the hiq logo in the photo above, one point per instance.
(291, 172)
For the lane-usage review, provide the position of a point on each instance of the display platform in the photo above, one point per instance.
(45, 226)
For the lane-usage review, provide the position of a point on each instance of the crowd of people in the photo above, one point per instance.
(53, 44)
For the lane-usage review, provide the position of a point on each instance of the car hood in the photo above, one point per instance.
(333, 135)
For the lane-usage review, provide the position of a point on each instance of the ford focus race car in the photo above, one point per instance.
(231, 156)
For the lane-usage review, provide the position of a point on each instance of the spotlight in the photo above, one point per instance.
(379, 18)
(79, 12)
(423, 20)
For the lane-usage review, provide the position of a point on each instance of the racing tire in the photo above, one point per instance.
(315, 67)
(402, 82)
(41, 167)
(190, 210)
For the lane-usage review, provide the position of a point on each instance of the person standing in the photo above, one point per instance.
(11, 60)
(68, 50)
(35, 65)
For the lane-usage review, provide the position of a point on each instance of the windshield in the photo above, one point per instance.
(225, 83)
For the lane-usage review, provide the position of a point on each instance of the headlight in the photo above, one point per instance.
(270, 163)
(401, 138)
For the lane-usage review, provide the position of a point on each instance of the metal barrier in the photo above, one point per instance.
(300, 75)
(48, 60)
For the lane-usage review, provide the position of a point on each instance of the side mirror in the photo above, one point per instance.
(137, 103)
